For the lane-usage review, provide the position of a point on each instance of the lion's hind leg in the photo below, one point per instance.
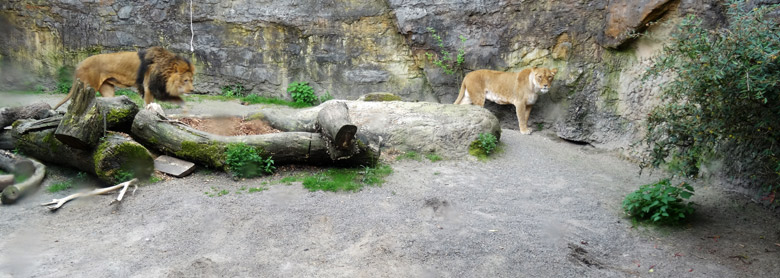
(106, 90)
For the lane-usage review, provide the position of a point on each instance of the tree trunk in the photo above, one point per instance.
(156, 131)
(115, 159)
(40, 110)
(83, 124)
(333, 121)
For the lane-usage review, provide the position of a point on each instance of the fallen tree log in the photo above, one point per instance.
(114, 159)
(28, 171)
(37, 111)
(179, 140)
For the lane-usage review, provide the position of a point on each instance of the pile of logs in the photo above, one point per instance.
(92, 136)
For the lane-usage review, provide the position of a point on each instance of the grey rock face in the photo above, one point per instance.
(350, 48)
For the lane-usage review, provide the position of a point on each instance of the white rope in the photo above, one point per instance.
(192, 31)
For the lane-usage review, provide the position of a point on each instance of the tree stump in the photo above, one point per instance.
(333, 122)
(83, 124)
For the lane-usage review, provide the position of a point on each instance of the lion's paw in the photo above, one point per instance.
(525, 131)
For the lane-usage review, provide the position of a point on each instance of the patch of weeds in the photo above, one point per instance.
(123, 176)
(233, 91)
(325, 97)
(290, 179)
(256, 99)
(155, 179)
(411, 155)
(485, 144)
(444, 59)
(351, 179)
(302, 93)
(257, 189)
(433, 157)
(244, 161)
(64, 80)
(216, 192)
(67, 184)
(661, 203)
(539, 126)
(60, 186)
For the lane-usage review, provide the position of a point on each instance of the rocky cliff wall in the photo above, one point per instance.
(349, 48)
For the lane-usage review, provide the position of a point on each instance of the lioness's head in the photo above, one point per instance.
(543, 78)
(179, 79)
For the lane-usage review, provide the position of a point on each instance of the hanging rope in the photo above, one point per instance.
(192, 31)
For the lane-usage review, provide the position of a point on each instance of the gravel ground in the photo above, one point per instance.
(540, 208)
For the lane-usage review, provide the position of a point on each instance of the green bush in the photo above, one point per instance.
(301, 92)
(244, 161)
(64, 80)
(233, 91)
(444, 59)
(724, 96)
(660, 202)
(485, 144)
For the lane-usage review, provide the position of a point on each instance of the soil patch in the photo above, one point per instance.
(230, 126)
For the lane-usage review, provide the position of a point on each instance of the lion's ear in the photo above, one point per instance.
(554, 71)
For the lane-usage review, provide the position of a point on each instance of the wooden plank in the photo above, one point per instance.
(173, 166)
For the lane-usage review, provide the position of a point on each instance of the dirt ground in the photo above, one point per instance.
(540, 208)
(229, 126)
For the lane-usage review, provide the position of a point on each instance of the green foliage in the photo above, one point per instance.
(445, 60)
(257, 189)
(325, 97)
(302, 93)
(725, 94)
(233, 91)
(64, 80)
(352, 179)
(433, 157)
(411, 155)
(256, 99)
(485, 144)
(60, 186)
(244, 161)
(660, 202)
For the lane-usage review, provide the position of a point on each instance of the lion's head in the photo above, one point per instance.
(543, 78)
(179, 80)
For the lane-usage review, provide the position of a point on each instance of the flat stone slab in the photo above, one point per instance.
(173, 166)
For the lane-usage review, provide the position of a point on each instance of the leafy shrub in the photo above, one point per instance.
(485, 144)
(301, 92)
(724, 95)
(660, 202)
(64, 80)
(444, 60)
(244, 161)
(233, 90)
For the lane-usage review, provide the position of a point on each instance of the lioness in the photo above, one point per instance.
(519, 88)
(156, 72)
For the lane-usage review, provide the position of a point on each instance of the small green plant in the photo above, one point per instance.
(485, 144)
(325, 97)
(155, 179)
(257, 189)
(660, 202)
(347, 179)
(123, 175)
(60, 186)
(444, 60)
(411, 155)
(256, 99)
(433, 157)
(64, 80)
(244, 161)
(539, 126)
(301, 92)
(233, 91)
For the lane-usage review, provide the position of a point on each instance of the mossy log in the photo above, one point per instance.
(28, 172)
(179, 140)
(37, 111)
(112, 160)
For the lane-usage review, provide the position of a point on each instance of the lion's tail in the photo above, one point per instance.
(461, 93)
(139, 79)
(70, 94)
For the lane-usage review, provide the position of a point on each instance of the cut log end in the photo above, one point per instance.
(345, 137)
(10, 195)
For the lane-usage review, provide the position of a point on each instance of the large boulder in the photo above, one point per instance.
(424, 127)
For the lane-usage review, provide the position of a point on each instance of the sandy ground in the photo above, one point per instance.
(541, 208)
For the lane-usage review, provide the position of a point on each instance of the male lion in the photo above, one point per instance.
(519, 88)
(155, 70)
